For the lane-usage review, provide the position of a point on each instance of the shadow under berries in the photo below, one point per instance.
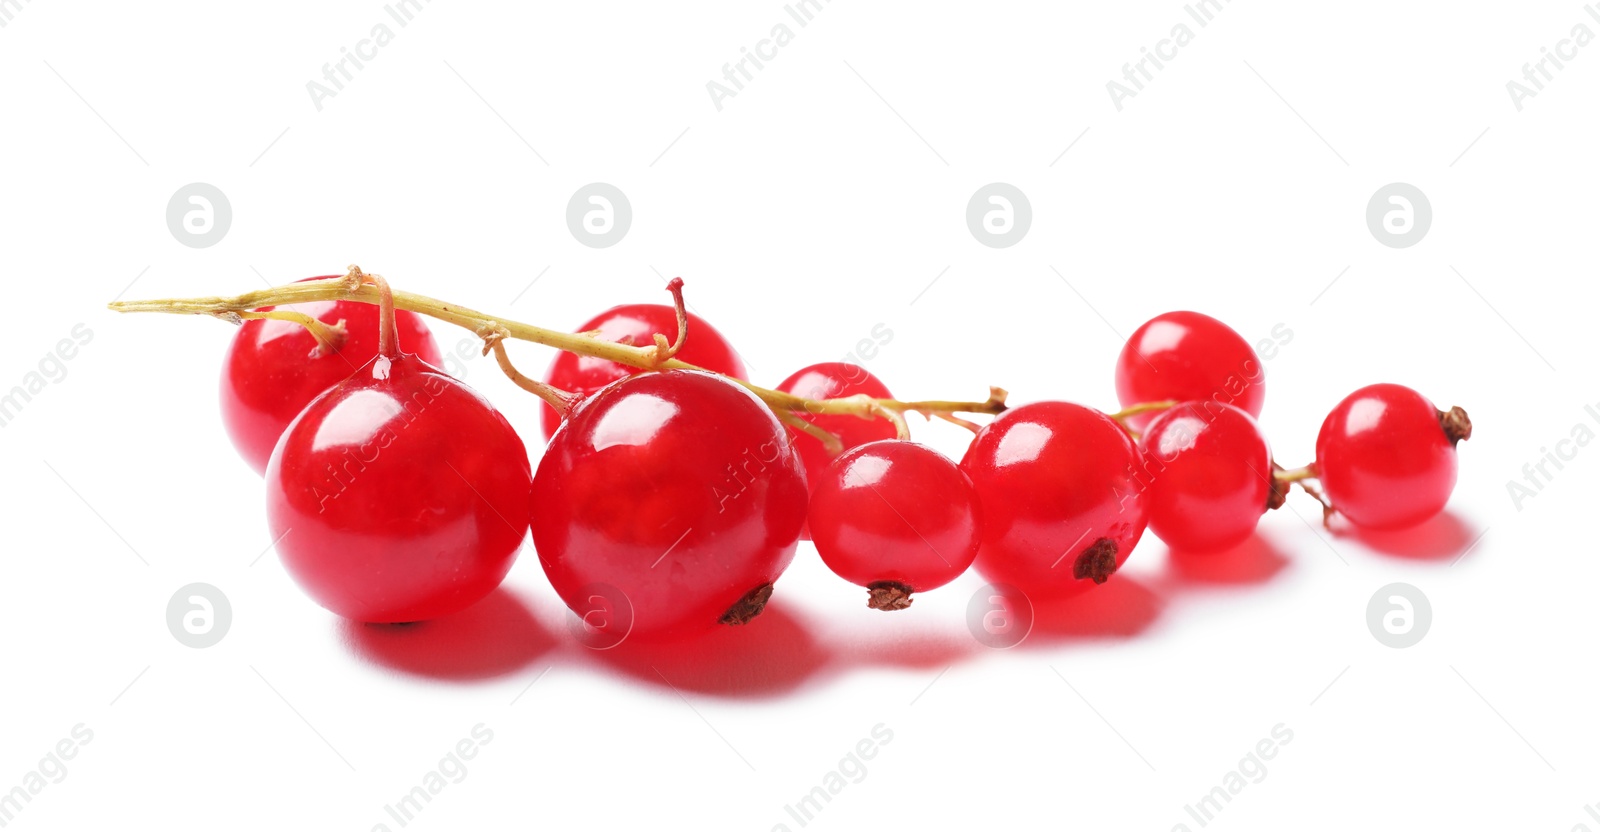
(495, 637)
(774, 654)
(1442, 537)
(1252, 562)
(917, 638)
(1123, 607)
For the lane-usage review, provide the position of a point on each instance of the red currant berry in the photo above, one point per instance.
(636, 324)
(895, 517)
(273, 368)
(672, 496)
(1187, 356)
(833, 380)
(1060, 504)
(1386, 456)
(1210, 476)
(399, 494)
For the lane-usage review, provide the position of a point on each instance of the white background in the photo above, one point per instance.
(820, 201)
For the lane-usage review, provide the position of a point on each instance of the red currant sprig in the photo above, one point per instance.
(655, 356)
(1052, 496)
(698, 457)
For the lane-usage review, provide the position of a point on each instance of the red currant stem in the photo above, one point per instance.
(1122, 416)
(830, 441)
(901, 429)
(664, 351)
(995, 404)
(1327, 508)
(561, 400)
(1277, 490)
(329, 338)
(957, 420)
(644, 358)
(1282, 478)
(1306, 472)
(388, 344)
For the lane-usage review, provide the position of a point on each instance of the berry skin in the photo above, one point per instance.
(273, 369)
(1060, 504)
(833, 380)
(1187, 356)
(667, 502)
(398, 495)
(637, 324)
(1210, 475)
(1385, 459)
(895, 517)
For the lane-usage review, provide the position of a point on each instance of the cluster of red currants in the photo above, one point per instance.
(671, 499)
